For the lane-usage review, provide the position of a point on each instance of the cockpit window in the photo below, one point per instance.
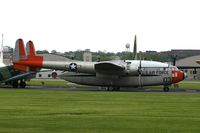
(173, 67)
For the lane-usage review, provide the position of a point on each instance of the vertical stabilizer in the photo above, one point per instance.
(26, 60)
(30, 49)
(19, 54)
(19, 51)
(135, 49)
(31, 54)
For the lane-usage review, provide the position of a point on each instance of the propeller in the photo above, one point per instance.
(140, 67)
(140, 72)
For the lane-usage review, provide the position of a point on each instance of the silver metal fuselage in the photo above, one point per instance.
(131, 73)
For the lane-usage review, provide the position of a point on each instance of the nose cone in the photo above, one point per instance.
(178, 76)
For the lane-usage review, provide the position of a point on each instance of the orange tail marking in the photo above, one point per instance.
(22, 52)
(30, 47)
(29, 62)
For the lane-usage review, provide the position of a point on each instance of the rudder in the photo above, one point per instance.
(19, 51)
(30, 49)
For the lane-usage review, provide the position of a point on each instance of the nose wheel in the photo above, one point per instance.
(166, 89)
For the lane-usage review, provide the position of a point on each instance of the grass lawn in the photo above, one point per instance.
(181, 85)
(61, 111)
(190, 84)
(48, 82)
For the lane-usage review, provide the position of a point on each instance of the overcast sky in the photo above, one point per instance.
(68, 25)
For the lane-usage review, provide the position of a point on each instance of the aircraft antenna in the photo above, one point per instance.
(135, 49)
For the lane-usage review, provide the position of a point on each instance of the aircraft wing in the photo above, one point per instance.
(22, 76)
(109, 68)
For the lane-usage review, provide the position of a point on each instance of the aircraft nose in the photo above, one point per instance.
(181, 75)
(178, 76)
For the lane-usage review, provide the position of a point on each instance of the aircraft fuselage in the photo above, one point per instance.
(135, 73)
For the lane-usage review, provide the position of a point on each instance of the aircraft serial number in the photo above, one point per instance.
(155, 72)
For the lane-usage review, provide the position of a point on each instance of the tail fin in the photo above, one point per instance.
(19, 51)
(30, 49)
(26, 60)
(31, 54)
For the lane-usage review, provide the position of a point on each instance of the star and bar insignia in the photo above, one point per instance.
(72, 66)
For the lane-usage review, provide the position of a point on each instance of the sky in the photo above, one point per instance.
(102, 25)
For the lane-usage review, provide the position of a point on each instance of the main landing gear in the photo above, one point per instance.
(116, 88)
(16, 84)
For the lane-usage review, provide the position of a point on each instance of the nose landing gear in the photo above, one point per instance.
(166, 89)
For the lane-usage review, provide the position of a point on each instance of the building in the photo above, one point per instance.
(190, 67)
(87, 55)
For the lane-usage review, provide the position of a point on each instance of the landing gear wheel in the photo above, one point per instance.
(113, 88)
(116, 88)
(108, 88)
(22, 84)
(166, 89)
(15, 84)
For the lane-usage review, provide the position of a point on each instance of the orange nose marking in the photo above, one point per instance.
(177, 76)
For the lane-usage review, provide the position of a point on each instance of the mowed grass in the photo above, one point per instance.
(190, 84)
(61, 111)
(48, 82)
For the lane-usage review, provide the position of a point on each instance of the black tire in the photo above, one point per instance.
(22, 84)
(15, 84)
(108, 88)
(115, 88)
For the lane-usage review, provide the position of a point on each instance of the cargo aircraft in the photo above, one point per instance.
(111, 74)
